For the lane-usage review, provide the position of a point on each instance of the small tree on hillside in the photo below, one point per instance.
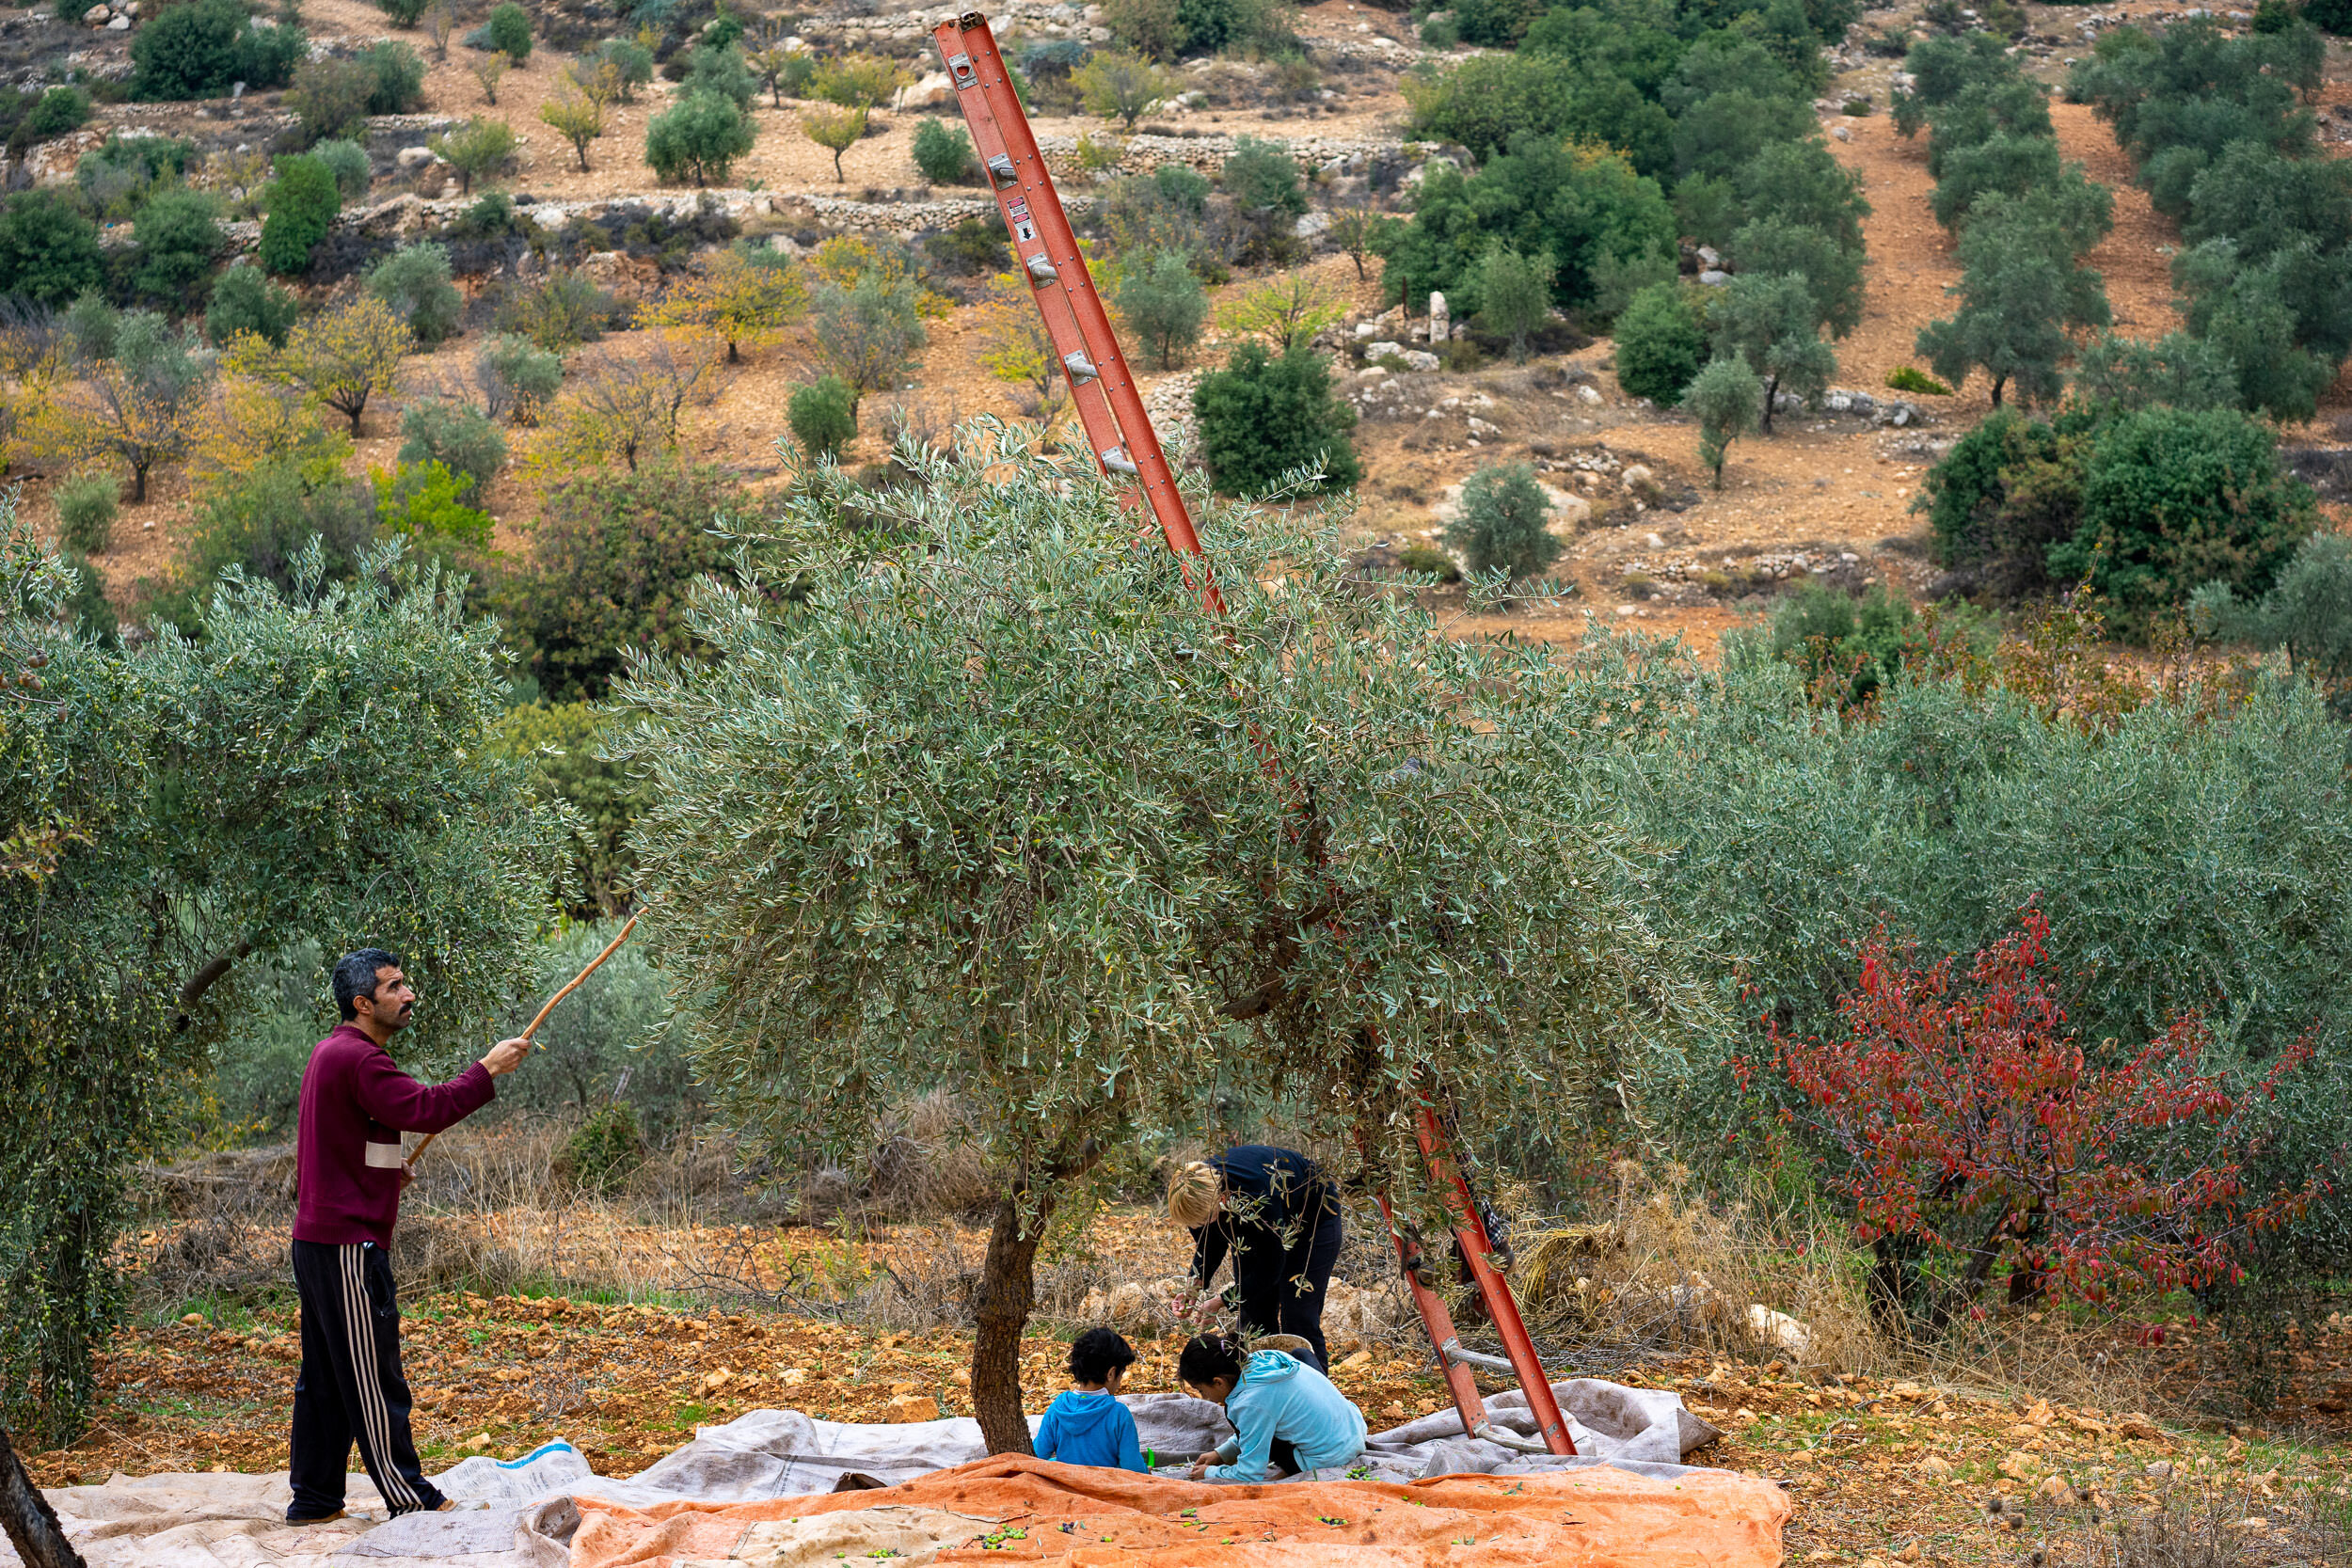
(1724, 399)
(869, 331)
(1262, 416)
(627, 409)
(1514, 295)
(1120, 87)
(478, 149)
(2023, 296)
(1284, 312)
(1016, 347)
(577, 119)
(1106, 885)
(698, 139)
(835, 129)
(1502, 527)
(509, 31)
(746, 302)
(342, 356)
(141, 405)
(1771, 322)
(1163, 303)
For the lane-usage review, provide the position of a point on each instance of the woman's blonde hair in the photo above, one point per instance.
(1194, 1194)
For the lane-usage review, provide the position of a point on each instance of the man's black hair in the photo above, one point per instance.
(1093, 1354)
(1207, 1358)
(355, 976)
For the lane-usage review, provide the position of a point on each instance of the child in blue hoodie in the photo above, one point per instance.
(1287, 1417)
(1086, 1424)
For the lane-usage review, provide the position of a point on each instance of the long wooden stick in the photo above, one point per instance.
(425, 1142)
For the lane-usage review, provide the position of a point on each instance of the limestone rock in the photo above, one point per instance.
(1779, 1330)
(910, 1407)
(96, 16)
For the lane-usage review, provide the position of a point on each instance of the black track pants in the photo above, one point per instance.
(350, 1388)
(1285, 1293)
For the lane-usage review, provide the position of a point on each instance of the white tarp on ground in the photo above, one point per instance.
(518, 1515)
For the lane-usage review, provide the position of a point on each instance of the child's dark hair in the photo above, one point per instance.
(1207, 1358)
(1093, 1354)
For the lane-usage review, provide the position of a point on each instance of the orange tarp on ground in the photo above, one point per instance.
(1036, 1511)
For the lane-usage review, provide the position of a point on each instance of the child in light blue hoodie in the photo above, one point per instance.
(1086, 1424)
(1285, 1414)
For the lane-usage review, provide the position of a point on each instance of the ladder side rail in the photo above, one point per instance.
(1061, 248)
(1471, 1236)
(1061, 325)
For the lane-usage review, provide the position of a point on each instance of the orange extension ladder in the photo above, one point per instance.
(1119, 430)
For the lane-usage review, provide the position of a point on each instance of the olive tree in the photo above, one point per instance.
(178, 816)
(981, 798)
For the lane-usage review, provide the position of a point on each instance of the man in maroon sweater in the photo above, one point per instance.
(348, 1174)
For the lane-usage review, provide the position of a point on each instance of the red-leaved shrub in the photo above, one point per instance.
(1974, 1128)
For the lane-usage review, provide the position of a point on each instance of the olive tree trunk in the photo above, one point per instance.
(31, 1523)
(1008, 1291)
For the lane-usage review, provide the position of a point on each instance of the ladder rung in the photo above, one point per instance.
(1453, 1352)
(1509, 1439)
(1042, 270)
(1079, 366)
(1118, 462)
(1000, 169)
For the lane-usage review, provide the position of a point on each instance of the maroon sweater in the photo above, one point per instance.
(347, 1156)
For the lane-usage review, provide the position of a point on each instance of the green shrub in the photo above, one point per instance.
(605, 1151)
(243, 300)
(405, 13)
(2308, 612)
(1163, 304)
(610, 565)
(92, 326)
(823, 416)
(119, 176)
(348, 161)
(329, 97)
(1263, 177)
(396, 74)
(514, 375)
(1726, 397)
(699, 139)
(509, 31)
(415, 281)
(60, 109)
(261, 521)
(199, 48)
(1660, 345)
(945, 154)
(1847, 648)
(301, 204)
(976, 246)
(632, 63)
(1428, 558)
(48, 250)
(2173, 499)
(557, 746)
(428, 504)
(461, 440)
(1502, 524)
(1903, 378)
(87, 505)
(1262, 416)
(721, 70)
(179, 235)
(563, 312)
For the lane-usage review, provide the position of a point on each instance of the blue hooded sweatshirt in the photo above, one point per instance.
(1089, 1427)
(1279, 1396)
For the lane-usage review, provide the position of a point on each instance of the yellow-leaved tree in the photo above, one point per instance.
(1282, 310)
(342, 357)
(1015, 347)
(747, 300)
(249, 421)
(623, 408)
(138, 407)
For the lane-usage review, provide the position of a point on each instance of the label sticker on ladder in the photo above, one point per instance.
(1024, 231)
